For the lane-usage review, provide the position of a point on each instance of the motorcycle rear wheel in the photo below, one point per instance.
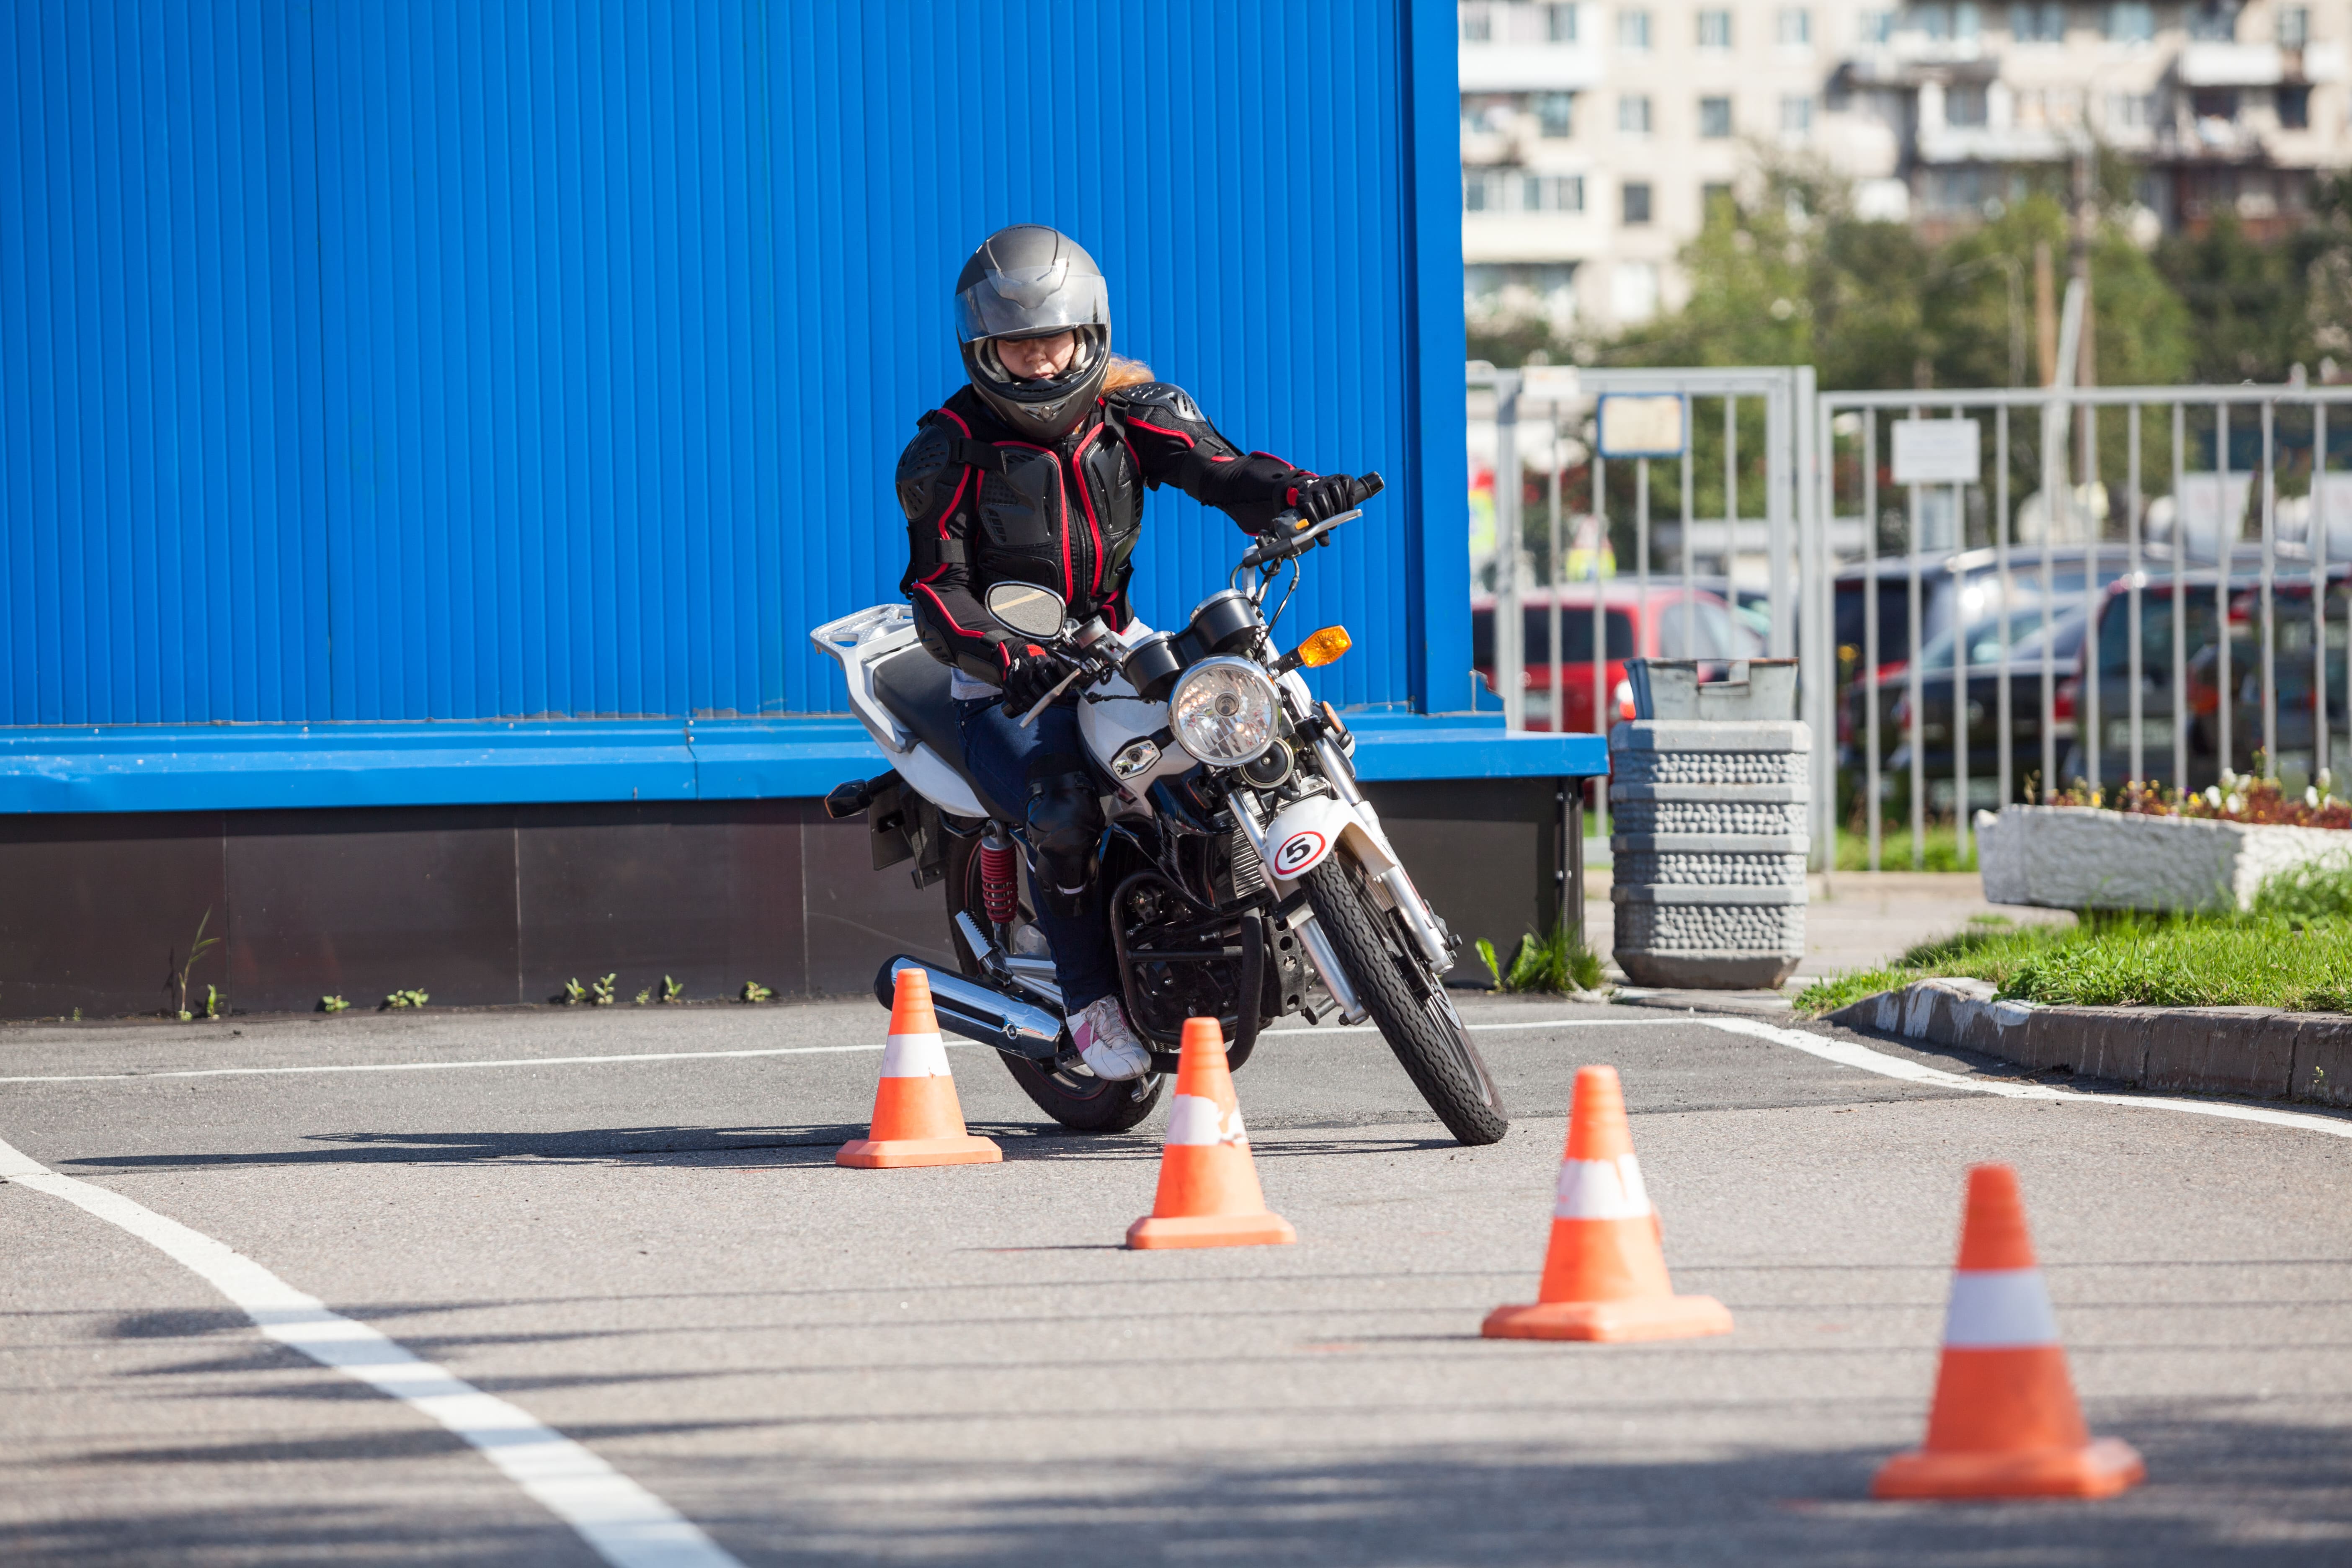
(1079, 1101)
(1414, 1014)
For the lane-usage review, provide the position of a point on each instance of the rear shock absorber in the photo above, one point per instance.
(999, 883)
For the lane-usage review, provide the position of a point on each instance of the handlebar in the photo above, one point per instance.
(1282, 547)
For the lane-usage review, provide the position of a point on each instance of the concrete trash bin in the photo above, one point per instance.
(1709, 841)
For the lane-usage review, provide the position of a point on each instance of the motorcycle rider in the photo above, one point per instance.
(1034, 471)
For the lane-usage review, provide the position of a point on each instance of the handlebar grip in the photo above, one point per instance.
(1368, 486)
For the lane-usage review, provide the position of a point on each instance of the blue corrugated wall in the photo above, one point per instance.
(447, 359)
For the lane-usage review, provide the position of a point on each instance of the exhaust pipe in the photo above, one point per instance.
(977, 1012)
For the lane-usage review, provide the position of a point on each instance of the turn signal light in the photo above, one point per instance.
(1324, 647)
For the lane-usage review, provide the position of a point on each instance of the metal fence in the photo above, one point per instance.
(1993, 594)
(2098, 562)
(1650, 553)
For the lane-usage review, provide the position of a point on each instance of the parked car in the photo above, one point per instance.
(1987, 672)
(1666, 624)
(2291, 618)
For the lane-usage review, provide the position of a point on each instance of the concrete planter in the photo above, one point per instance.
(2072, 858)
(1709, 848)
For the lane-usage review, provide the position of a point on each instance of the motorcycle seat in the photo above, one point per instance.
(914, 687)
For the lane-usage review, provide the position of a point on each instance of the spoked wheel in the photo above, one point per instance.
(1078, 1100)
(1414, 1014)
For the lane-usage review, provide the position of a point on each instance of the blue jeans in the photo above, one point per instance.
(999, 752)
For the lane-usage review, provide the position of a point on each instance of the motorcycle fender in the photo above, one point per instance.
(1302, 834)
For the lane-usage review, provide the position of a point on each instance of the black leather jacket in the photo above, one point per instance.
(983, 506)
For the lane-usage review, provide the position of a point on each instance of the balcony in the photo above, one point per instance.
(1531, 68)
(2229, 65)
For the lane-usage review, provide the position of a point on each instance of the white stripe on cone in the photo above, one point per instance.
(1196, 1121)
(914, 1055)
(1601, 1189)
(1994, 1308)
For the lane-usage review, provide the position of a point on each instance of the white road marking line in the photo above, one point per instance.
(1535, 1024)
(622, 1522)
(316, 1067)
(1849, 1053)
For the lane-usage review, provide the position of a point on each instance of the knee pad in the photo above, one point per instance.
(1066, 823)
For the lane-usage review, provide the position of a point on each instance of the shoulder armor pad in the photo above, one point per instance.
(928, 458)
(1162, 395)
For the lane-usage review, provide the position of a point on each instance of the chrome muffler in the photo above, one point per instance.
(978, 1012)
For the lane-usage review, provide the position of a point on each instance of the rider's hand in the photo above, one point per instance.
(1327, 496)
(1031, 676)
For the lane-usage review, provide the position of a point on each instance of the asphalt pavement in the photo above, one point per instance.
(658, 1260)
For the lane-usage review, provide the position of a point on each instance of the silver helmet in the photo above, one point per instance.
(1030, 282)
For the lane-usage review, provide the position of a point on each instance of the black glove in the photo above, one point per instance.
(1031, 676)
(1327, 496)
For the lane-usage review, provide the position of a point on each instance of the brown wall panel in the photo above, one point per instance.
(858, 916)
(98, 911)
(361, 902)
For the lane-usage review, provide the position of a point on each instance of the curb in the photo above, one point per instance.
(2257, 1052)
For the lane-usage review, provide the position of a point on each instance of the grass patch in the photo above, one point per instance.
(2294, 951)
(1943, 850)
(1555, 964)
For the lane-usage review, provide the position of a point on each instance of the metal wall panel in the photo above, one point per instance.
(428, 359)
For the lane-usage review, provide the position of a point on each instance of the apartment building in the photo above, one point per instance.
(1595, 135)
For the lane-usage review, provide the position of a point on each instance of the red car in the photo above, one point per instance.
(1666, 624)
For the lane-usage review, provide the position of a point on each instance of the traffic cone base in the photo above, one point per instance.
(1615, 1322)
(2100, 1469)
(917, 1120)
(1208, 1195)
(1212, 1230)
(870, 1154)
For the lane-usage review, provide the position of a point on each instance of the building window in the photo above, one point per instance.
(2040, 24)
(1796, 114)
(2131, 111)
(1637, 201)
(1964, 105)
(1715, 118)
(1940, 22)
(1873, 27)
(2208, 22)
(1494, 291)
(1633, 31)
(2294, 26)
(1483, 190)
(1633, 290)
(1793, 27)
(2133, 22)
(1551, 194)
(2213, 103)
(1477, 25)
(1559, 24)
(1715, 29)
(1633, 115)
(1488, 113)
(1556, 113)
(2295, 108)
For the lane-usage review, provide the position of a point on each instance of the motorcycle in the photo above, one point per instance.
(1249, 877)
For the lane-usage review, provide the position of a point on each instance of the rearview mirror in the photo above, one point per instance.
(1026, 608)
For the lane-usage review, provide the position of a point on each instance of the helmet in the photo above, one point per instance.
(1030, 282)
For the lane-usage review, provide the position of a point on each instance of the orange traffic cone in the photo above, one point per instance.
(1209, 1195)
(1605, 1276)
(2004, 1422)
(917, 1118)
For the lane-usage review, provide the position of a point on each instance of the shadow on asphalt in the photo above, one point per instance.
(2223, 1488)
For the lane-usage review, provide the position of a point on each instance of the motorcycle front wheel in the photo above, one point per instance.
(1414, 1014)
(1079, 1101)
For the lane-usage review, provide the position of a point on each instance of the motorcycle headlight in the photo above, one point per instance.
(1221, 711)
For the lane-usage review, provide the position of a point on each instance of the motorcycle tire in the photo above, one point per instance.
(1079, 1101)
(1411, 1009)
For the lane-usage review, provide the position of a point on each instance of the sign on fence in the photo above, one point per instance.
(1936, 452)
(1643, 423)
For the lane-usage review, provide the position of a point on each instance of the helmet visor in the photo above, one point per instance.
(1029, 302)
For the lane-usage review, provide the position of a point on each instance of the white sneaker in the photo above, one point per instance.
(1108, 1046)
